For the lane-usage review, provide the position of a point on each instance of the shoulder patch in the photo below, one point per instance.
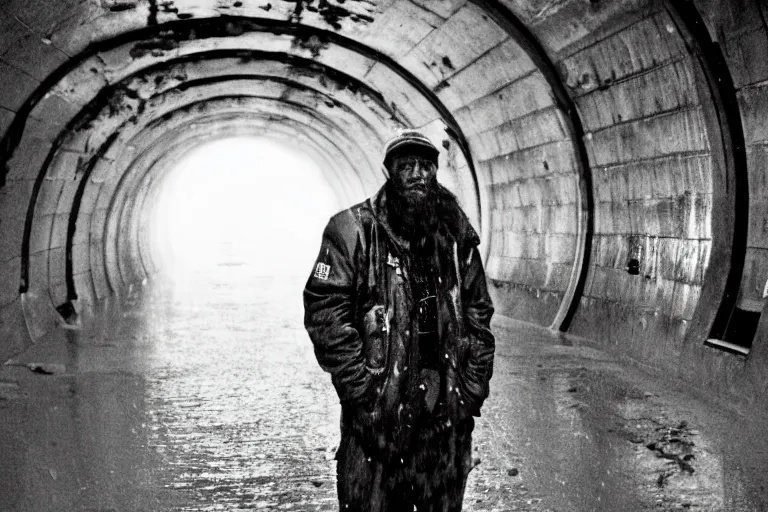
(322, 271)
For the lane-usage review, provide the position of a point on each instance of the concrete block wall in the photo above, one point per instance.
(27, 56)
(93, 253)
(652, 182)
(534, 229)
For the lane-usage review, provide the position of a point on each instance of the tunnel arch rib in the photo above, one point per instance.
(731, 201)
(86, 171)
(530, 44)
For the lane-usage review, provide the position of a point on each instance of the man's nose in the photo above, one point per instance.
(421, 170)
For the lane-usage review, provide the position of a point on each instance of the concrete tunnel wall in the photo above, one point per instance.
(612, 154)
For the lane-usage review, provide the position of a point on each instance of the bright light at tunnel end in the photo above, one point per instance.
(246, 203)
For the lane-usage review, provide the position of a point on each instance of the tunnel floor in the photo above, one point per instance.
(206, 396)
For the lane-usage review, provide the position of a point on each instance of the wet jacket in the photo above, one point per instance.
(361, 317)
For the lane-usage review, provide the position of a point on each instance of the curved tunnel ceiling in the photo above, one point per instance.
(590, 142)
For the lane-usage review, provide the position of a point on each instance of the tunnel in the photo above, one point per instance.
(610, 154)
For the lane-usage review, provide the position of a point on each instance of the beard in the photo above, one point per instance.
(413, 213)
(429, 221)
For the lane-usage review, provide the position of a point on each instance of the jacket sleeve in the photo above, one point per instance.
(478, 310)
(329, 311)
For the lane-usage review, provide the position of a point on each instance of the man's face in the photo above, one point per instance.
(413, 175)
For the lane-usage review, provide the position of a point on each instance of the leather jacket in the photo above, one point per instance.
(360, 316)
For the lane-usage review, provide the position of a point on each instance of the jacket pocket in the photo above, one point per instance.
(473, 375)
(375, 332)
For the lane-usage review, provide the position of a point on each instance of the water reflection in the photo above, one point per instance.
(200, 395)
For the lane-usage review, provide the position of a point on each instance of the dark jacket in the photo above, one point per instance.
(360, 315)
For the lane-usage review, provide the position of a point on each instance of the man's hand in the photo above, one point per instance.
(474, 374)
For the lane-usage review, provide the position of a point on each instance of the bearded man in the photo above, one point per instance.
(399, 314)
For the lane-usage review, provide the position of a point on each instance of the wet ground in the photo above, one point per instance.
(206, 396)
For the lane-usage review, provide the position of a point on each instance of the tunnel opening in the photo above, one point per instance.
(241, 205)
